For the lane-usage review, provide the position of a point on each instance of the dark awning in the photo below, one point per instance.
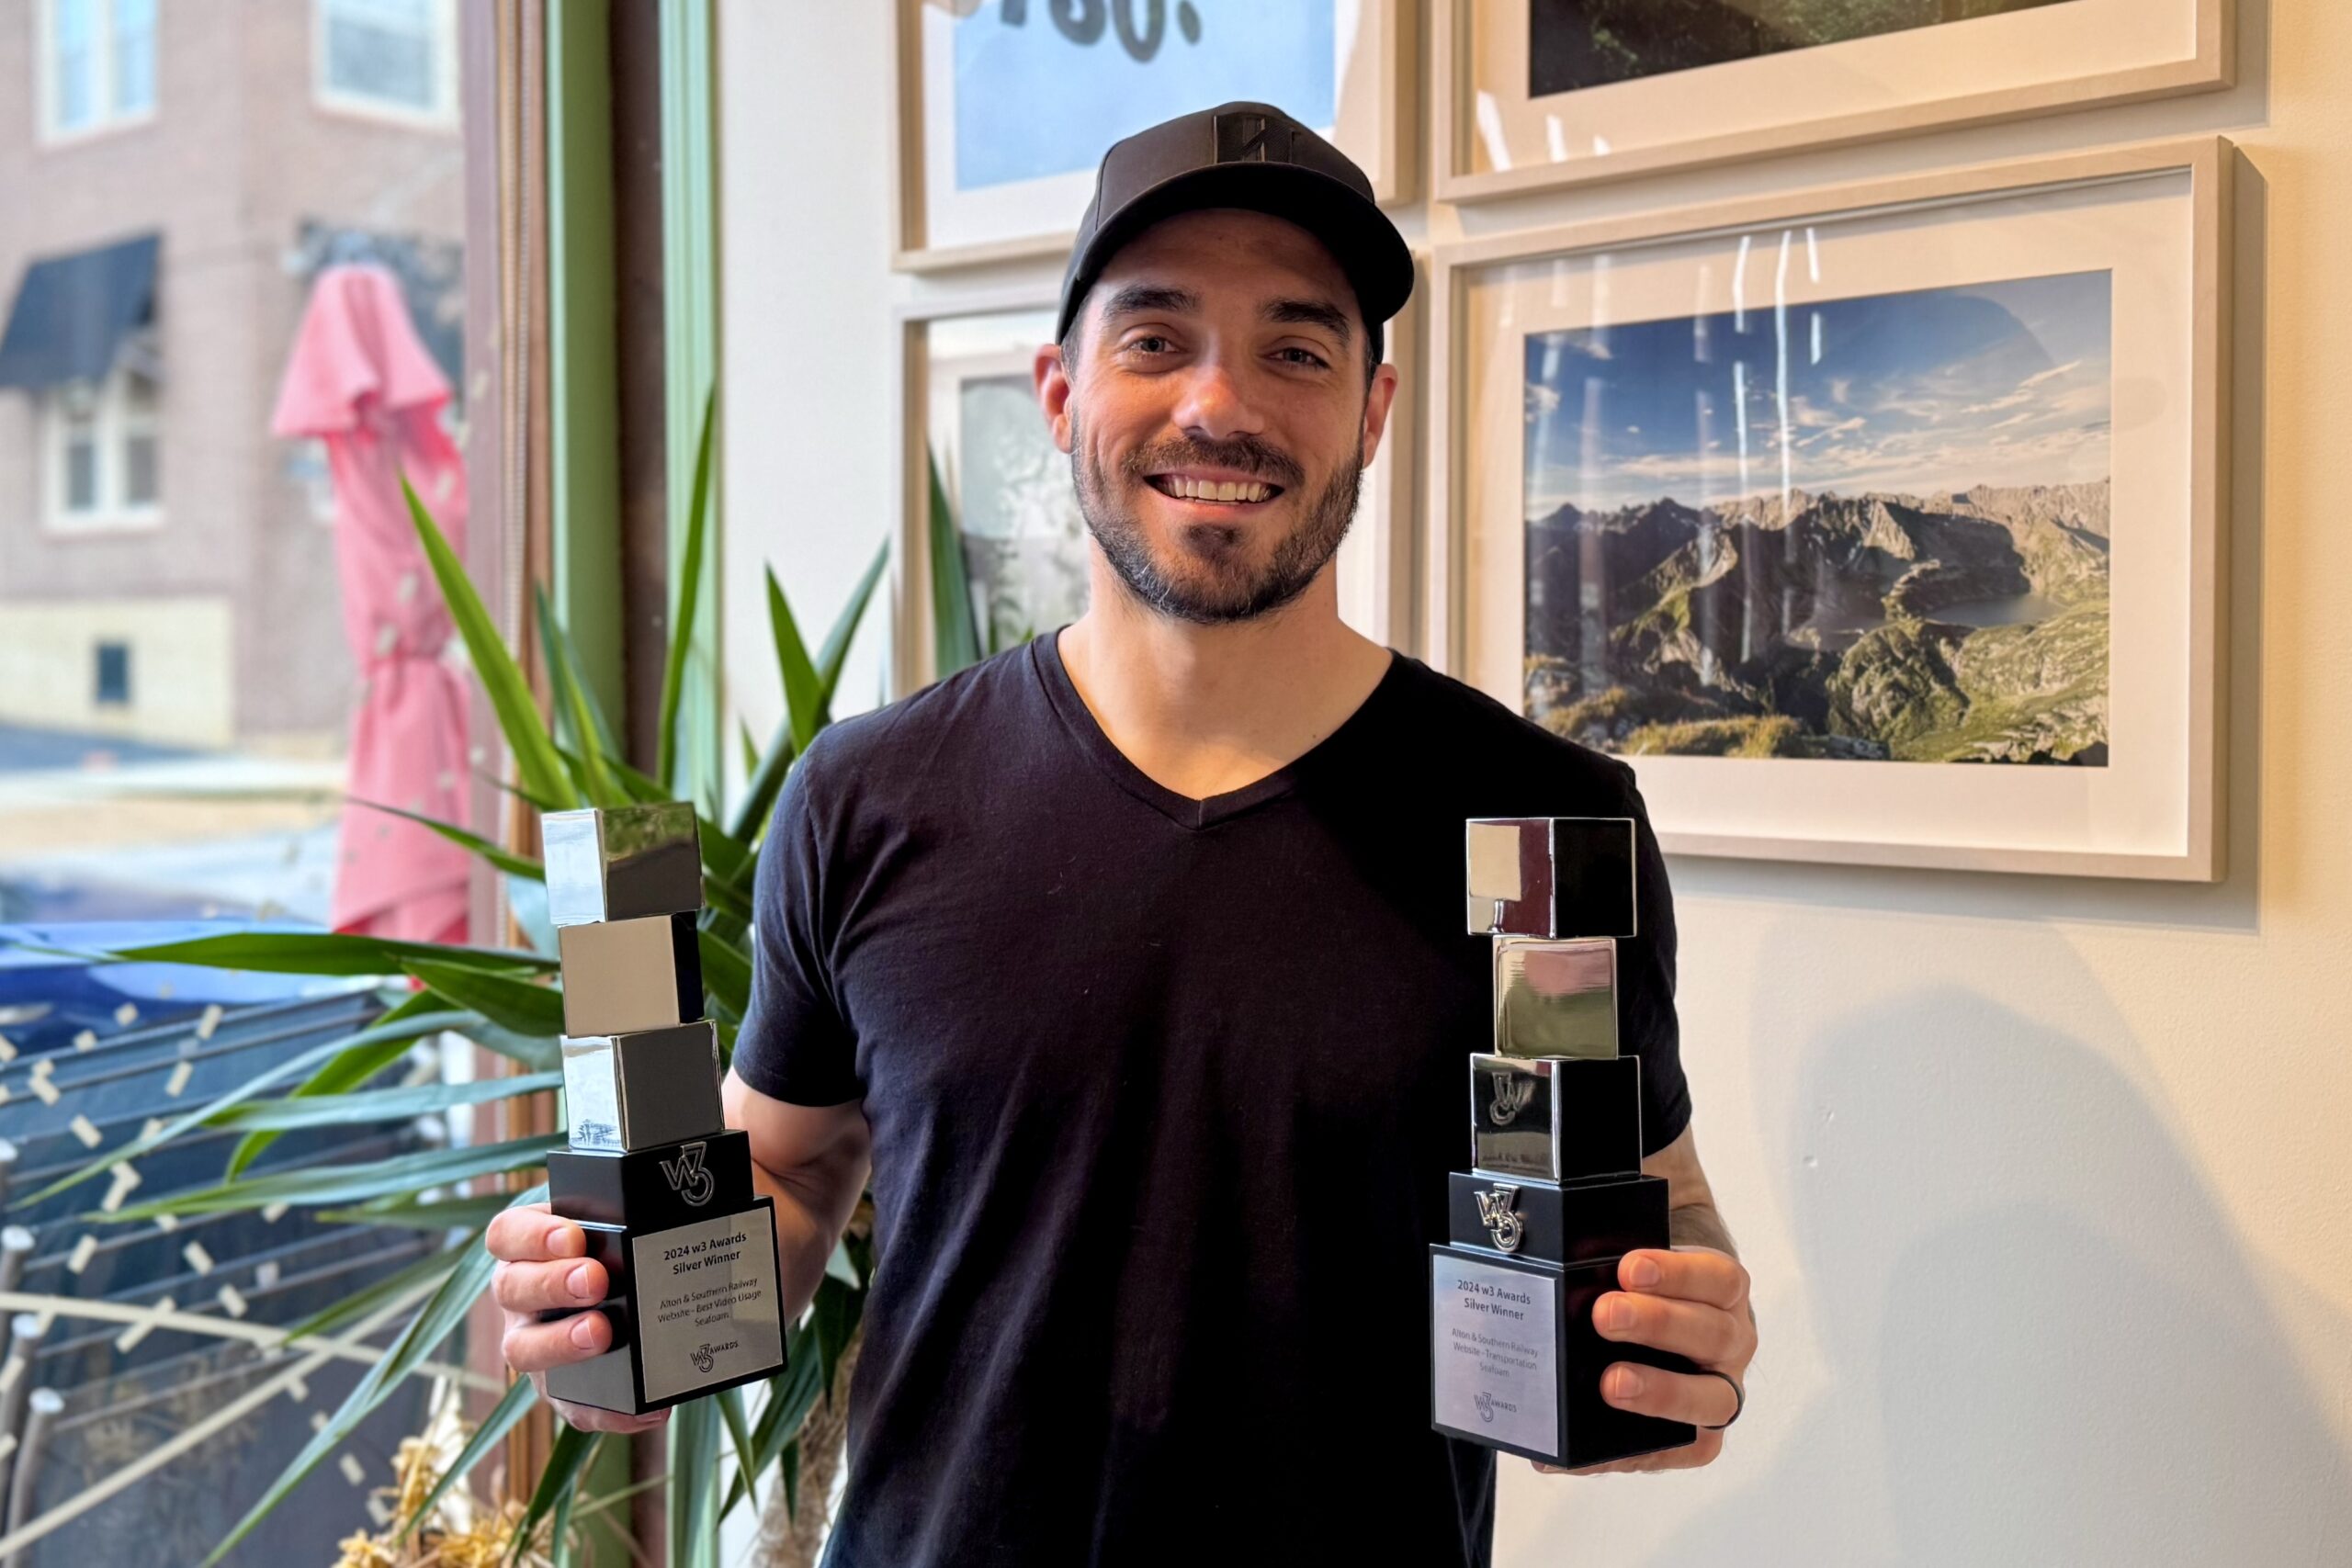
(73, 312)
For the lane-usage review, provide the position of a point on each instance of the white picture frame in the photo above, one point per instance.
(2157, 216)
(1375, 90)
(1494, 136)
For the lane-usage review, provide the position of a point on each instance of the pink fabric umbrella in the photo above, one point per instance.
(360, 380)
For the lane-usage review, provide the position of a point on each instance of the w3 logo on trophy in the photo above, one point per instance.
(1511, 1095)
(1499, 1212)
(687, 1176)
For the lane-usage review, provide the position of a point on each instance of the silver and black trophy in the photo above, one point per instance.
(1555, 1196)
(653, 1175)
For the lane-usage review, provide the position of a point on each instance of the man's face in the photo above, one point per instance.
(1218, 419)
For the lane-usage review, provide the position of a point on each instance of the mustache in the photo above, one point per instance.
(1246, 453)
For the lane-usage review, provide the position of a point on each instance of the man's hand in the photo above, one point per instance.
(542, 1267)
(1692, 1301)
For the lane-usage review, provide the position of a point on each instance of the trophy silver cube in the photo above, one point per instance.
(1555, 1196)
(662, 1187)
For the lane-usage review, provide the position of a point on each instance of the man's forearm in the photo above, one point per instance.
(1698, 1225)
(806, 1232)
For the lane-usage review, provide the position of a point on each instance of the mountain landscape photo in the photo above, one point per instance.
(1876, 528)
(1574, 44)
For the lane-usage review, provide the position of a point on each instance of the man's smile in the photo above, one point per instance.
(1227, 489)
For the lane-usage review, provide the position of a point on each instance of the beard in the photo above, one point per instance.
(1213, 583)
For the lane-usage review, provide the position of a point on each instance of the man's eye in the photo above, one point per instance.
(1303, 356)
(1149, 342)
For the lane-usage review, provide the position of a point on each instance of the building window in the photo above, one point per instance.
(113, 689)
(394, 57)
(97, 64)
(104, 440)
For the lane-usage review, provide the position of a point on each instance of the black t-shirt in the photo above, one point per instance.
(1163, 1093)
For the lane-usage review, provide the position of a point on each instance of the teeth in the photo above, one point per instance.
(1210, 489)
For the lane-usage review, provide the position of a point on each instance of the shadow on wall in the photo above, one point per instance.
(2045, 1343)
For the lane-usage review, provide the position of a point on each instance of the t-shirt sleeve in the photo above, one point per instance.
(1647, 1024)
(795, 1044)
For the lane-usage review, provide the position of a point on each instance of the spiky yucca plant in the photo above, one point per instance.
(507, 1001)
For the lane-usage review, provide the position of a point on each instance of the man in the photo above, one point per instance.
(1129, 964)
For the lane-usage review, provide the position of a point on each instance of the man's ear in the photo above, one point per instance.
(1053, 392)
(1379, 398)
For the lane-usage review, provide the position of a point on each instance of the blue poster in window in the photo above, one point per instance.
(1044, 86)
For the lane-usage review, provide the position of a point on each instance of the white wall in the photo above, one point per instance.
(2043, 1181)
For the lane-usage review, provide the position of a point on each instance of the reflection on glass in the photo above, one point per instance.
(177, 685)
(1874, 527)
(1009, 486)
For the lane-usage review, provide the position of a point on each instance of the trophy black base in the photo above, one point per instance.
(1515, 1362)
(696, 1307)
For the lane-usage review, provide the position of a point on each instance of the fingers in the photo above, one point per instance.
(1701, 1400)
(535, 1347)
(1690, 1456)
(531, 1234)
(1692, 1274)
(588, 1418)
(548, 1287)
(1708, 1335)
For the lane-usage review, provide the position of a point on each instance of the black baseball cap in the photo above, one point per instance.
(1251, 156)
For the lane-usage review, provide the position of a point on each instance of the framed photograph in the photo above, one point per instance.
(1878, 524)
(970, 416)
(1005, 106)
(1539, 92)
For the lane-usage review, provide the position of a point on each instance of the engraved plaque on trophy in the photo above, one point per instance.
(652, 1174)
(1555, 1196)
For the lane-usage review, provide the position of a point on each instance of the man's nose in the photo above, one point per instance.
(1214, 405)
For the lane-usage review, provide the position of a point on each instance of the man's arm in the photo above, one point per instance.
(1691, 1216)
(1692, 1301)
(813, 1161)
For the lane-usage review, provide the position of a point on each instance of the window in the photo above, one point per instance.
(97, 64)
(104, 440)
(389, 57)
(113, 675)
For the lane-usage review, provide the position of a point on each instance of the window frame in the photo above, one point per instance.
(110, 116)
(442, 114)
(114, 420)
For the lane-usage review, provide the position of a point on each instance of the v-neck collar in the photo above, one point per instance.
(1183, 810)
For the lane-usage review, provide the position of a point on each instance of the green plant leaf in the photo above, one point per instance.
(443, 1311)
(522, 1006)
(725, 974)
(803, 704)
(473, 843)
(694, 1485)
(406, 1211)
(409, 1027)
(536, 766)
(834, 654)
(382, 1104)
(764, 785)
(316, 1186)
(392, 1287)
(956, 639)
(345, 1071)
(681, 626)
(739, 1433)
(750, 749)
(511, 1406)
(326, 953)
(569, 1458)
(792, 1393)
(576, 723)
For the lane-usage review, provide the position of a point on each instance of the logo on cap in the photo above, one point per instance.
(1246, 138)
